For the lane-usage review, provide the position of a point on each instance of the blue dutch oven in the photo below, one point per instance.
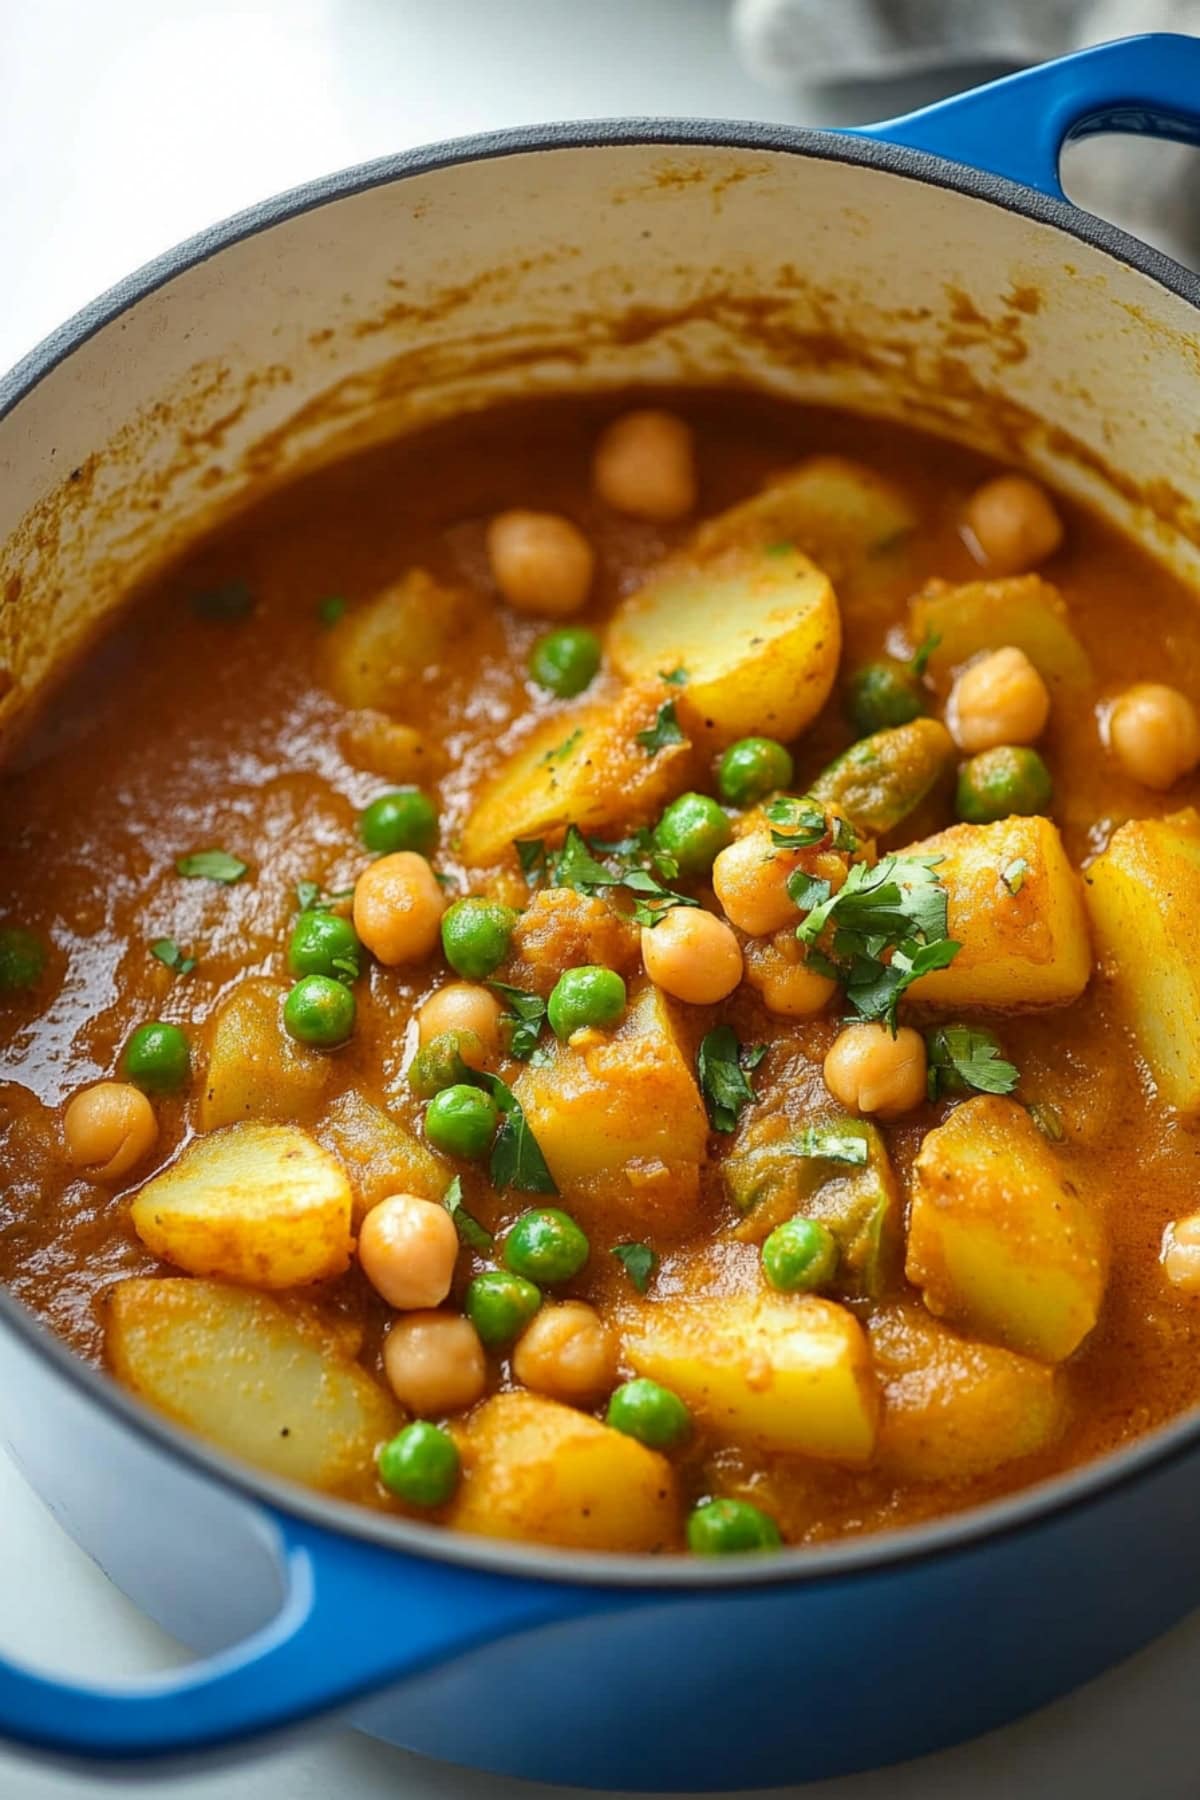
(929, 269)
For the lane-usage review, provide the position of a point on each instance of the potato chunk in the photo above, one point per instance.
(790, 1375)
(1000, 1241)
(375, 653)
(1024, 949)
(620, 1120)
(1143, 897)
(259, 1204)
(1022, 610)
(839, 512)
(543, 1473)
(953, 1408)
(585, 768)
(757, 632)
(255, 1070)
(263, 1380)
(379, 1156)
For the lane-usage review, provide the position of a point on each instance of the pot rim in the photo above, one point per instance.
(1026, 1508)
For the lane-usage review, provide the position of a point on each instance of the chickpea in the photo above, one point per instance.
(108, 1129)
(645, 465)
(463, 1006)
(870, 1071)
(567, 1352)
(776, 969)
(692, 955)
(435, 1363)
(541, 563)
(1011, 524)
(1154, 734)
(1001, 699)
(750, 880)
(407, 1249)
(1181, 1254)
(398, 908)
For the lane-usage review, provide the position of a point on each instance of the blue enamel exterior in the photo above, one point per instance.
(648, 1682)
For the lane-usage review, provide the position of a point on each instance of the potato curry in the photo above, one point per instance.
(622, 975)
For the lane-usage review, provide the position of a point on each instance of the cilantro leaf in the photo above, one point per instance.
(211, 865)
(526, 1014)
(676, 677)
(311, 897)
(232, 600)
(1013, 874)
(888, 927)
(531, 854)
(664, 732)
(639, 1263)
(517, 1160)
(330, 609)
(470, 1232)
(796, 824)
(723, 1081)
(924, 650)
(831, 1145)
(964, 1060)
(168, 952)
(576, 866)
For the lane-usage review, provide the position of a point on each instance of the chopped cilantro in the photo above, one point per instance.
(232, 600)
(576, 866)
(664, 732)
(796, 824)
(470, 1232)
(526, 1014)
(676, 677)
(531, 854)
(211, 865)
(311, 897)
(924, 650)
(517, 1160)
(638, 1261)
(829, 1144)
(721, 1066)
(1013, 874)
(168, 952)
(962, 1058)
(897, 910)
(330, 609)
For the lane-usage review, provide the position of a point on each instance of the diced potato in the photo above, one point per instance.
(384, 747)
(255, 1070)
(768, 1183)
(757, 632)
(953, 1408)
(620, 1120)
(374, 653)
(545, 1474)
(1022, 610)
(881, 779)
(562, 929)
(259, 1204)
(585, 768)
(1023, 949)
(379, 1156)
(1000, 1240)
(259, 1378)
(1143, 898)
(839, 512)
(788, 1374)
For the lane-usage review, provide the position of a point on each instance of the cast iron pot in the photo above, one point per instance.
(930, 269)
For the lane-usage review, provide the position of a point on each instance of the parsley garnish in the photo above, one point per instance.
(531, 854)
(168, 952)
(311, 897)
(638, 1261)
(211, 865)
(924, 650)
(960, 1057)
(663, 733)
(565, 748)
(721, 1066)
(470, 1232)
(677, 677)
(330, 609)
(831, 1145)
(898, 907)
(517, 1160)
(1013, 874)
(232, 600)
(526, 1014)
(799, 824)
(576, 866)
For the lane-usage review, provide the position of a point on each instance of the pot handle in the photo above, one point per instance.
(355, 1617)
(1016, 127)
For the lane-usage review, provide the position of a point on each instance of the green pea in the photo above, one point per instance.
(461, 1120)
(500, 1306)
(589, 995)
(997, 783)
(693, 830)
(420, 1465)
(158, 1058)
(800, 1256)
(476, 935)
(22, 959)
(405, 819)
(883, 694)
(729, 1528)
(546, 1246)
(565, 661)
(442, 1063)
(319, 1011)
(325, 944)
(753, 768)
(651, 1414)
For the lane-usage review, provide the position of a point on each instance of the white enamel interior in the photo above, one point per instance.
(597, 265)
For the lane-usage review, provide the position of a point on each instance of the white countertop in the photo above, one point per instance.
(125, 126)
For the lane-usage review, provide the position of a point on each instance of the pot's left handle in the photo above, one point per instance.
(1017, 127)
(355, 1617)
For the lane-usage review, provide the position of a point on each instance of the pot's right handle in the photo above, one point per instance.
(1016, 128)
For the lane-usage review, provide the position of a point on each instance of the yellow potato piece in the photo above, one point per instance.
(255, 1070)
(258, 1204)
(1023, 949)
(839, 512)
(263, 1380)
(375, 653)
(620, 1121)
(953, 1408)
(585, 768)
(1022, 610)
(1000, 1240)
(787, 1374)
(379, 1156)
(757, 631)
(1143, 897)
(545, 1474)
